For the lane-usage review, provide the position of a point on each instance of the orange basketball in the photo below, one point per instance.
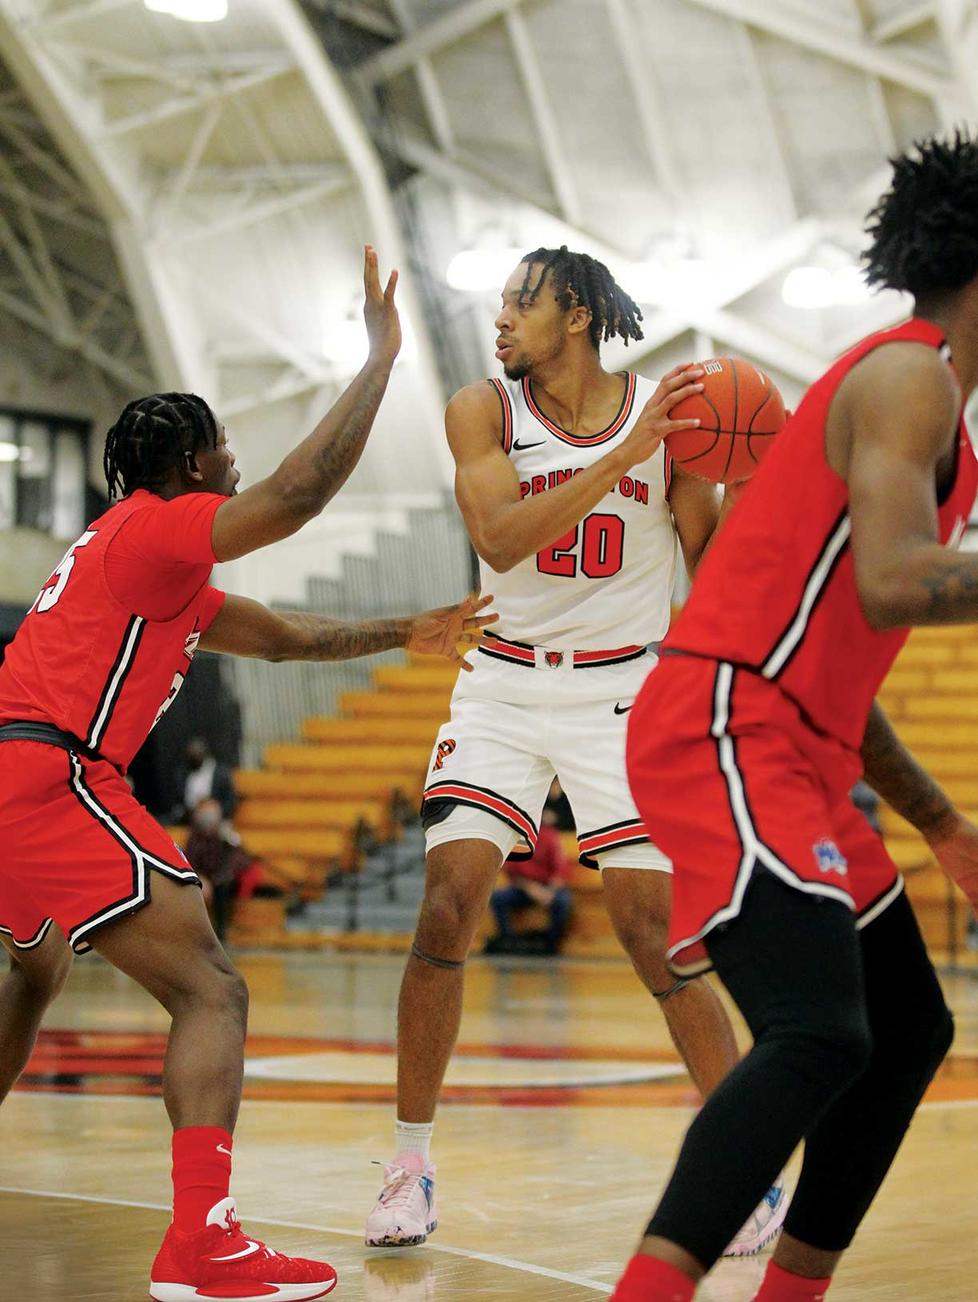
(741, 411)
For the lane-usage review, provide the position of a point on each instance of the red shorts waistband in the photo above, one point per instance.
(535, 657)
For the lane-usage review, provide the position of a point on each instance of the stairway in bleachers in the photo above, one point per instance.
(931, 697)
(428, 565)
(300, 812)
(317, 804)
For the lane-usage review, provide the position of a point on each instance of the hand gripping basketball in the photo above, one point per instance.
(654, 421)
(741, 412)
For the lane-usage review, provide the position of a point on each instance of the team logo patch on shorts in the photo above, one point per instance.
(445, 748)
(830, 858)
(554, 659)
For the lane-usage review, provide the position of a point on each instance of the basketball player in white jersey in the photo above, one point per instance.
(572, 505)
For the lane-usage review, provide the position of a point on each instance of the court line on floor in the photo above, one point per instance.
(510, 1263)
(934, 1105)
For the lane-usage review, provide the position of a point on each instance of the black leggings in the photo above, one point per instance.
(849, 1028)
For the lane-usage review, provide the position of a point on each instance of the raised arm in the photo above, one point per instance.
(894, 427)
(894, 774)
(319, 467)
(244, 627)
(506, 528)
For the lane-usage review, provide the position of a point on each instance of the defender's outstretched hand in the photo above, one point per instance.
(379, 312)
(451, 630)
(956, 851)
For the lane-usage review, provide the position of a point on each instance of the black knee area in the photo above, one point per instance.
(942, 1038)
(828, 1053)
(924, 1046)
(913, 1028)
(792, 963)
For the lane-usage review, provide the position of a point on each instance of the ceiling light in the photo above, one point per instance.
(9, 452)
(191, 11)
(478, 271)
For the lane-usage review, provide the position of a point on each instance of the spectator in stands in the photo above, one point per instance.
(226, 871)
(560, 807)
(541, 880)
(206, 779)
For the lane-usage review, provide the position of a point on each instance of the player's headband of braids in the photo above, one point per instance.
(579, 280)
(151, 436)
(924, 230)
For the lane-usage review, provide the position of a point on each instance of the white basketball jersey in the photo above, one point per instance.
(608, 583)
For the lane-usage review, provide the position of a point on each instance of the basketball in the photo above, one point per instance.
(741, 412)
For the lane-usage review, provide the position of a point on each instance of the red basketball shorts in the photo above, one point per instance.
(729, 779)
(77, 846)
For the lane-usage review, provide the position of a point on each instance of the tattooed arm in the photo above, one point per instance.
(244, 627)
(319, 467)
(910, 790)
(892, 434)
(894, 774)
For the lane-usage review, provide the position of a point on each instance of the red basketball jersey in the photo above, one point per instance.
(777, 591)
(86, 659)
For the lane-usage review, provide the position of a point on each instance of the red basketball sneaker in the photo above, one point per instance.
(219, 1262)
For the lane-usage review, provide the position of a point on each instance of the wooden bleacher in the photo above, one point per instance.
(306, 810)
(931, 697)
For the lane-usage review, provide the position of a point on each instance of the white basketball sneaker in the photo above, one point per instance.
(404, 1214)
(763, 1225)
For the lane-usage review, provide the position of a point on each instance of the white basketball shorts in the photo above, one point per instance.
(513, 727)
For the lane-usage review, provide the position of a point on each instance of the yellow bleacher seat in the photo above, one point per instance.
(921, 653)
(326, 786)
(390, 760)
(317, 845)
(900, 681)
(370, 731)
(397, 705)
(942, 735)
(935, 705)
(337, 814)
(395, 678)
(931, 696)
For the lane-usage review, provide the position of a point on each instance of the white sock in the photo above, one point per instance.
(413, 1137)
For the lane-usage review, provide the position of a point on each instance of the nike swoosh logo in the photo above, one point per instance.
(523, 447)
(622, 709)
(222, 1149)
(251, 1249)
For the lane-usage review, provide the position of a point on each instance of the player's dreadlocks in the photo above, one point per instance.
(153, 435)
(581, 281)
(924, 230)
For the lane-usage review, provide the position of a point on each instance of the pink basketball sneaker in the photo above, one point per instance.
(219, 1262)
(763, 1225)
(404, 1214)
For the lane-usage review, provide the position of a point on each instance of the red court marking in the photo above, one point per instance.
(131, 1063)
